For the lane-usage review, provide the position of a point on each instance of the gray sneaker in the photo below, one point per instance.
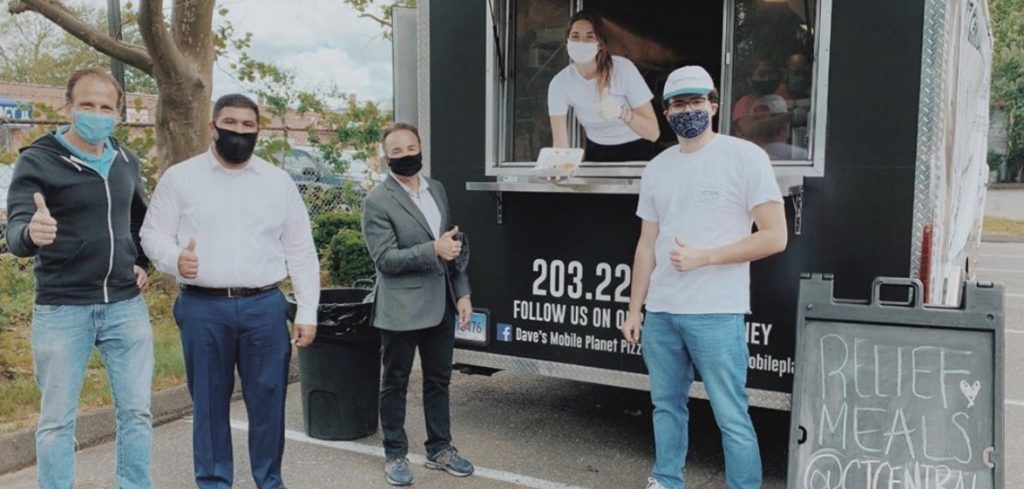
(398, 471)
(449, 461)
(653, 483)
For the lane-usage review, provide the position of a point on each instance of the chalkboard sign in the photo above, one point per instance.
(897, 395)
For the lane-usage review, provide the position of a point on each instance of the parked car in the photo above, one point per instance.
(305, 166)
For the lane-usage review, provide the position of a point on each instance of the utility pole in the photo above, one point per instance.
(117, 66)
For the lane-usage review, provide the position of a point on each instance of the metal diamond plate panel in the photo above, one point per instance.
(931, 126)
(423, 66)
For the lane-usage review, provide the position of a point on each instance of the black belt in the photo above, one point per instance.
(230, 291)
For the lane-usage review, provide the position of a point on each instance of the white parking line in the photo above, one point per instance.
(1013, 402)
(984, 255)
(1014, 331)
(348, 446)
(993, 270)
(1014, 295)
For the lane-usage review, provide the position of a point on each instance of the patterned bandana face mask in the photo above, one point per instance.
(690, 125)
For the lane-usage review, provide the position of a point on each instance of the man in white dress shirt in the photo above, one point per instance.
(231, 227)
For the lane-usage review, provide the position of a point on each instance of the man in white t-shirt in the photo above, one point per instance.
(698, 201)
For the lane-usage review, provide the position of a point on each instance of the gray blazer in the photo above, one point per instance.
(411, 278)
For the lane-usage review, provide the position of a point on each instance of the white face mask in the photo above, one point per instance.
(582, 52)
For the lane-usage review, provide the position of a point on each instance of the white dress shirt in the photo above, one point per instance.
(424, 201)
(250, 225)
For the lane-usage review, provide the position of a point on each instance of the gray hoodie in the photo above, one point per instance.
(98, 222)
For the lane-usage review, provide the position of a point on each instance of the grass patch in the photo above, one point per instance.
(1004, 227)
(19, 396)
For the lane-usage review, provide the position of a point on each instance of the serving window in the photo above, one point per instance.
(766, 57)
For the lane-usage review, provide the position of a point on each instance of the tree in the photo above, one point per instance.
(341, 135)
(35, 50)
(178, 55)
(379, 11)
(1008, 77)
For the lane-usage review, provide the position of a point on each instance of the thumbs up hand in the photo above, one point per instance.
(686, 258)
(188, 261)
(447, 247)
(42, 229)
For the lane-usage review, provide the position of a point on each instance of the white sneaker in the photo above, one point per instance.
(652, 483)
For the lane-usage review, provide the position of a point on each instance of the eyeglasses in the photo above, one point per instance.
(683, 104)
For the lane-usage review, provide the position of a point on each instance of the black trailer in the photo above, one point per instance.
(889, 179)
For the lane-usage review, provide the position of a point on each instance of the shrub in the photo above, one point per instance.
(347, 258)
(328, 224)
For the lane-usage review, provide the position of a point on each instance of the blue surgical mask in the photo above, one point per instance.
(93, 128)
(690, 125)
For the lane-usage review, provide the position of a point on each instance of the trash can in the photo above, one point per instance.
(340, 371)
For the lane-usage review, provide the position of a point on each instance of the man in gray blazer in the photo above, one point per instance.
(420, 289)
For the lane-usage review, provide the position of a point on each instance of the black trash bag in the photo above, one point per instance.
(344, 314)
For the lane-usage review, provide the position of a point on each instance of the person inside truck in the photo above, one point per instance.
(698, 201)
(765, 79)
(770, 127)
(608, 95)
(798, 76)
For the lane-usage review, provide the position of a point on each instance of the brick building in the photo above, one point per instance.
(23, 105)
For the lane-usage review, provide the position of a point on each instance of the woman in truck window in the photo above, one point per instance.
(610, 98)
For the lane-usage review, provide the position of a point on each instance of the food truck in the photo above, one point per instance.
(874, 113)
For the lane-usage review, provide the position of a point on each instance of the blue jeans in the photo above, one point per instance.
(218, 335)
(673, 344)
(62, 341)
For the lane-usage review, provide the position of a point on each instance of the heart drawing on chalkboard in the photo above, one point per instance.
(970, 391)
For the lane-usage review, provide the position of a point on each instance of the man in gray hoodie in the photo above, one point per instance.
(76, 203)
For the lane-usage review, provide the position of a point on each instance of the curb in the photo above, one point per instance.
(1001, 238)
(18, 449)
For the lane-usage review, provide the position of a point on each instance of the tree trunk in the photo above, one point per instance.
(182, 118)
(184, 75)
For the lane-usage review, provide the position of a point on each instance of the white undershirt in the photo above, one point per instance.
(424, 201)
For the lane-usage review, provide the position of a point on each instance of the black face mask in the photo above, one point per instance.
(765, 87)
(235, 147)
(406, 166)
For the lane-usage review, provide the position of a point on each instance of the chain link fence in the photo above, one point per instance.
(319, 201)
(322, 201)
(323, 191)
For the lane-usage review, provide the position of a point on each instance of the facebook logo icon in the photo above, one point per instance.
(506, 332)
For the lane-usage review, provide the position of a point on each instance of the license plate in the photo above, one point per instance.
(475, 331)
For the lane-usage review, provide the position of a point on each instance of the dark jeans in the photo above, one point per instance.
(219, 334)
(639, 150)
(398, 349)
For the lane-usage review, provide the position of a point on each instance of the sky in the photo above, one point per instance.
(323, 42)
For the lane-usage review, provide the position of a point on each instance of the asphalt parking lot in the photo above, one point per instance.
(532, 432)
